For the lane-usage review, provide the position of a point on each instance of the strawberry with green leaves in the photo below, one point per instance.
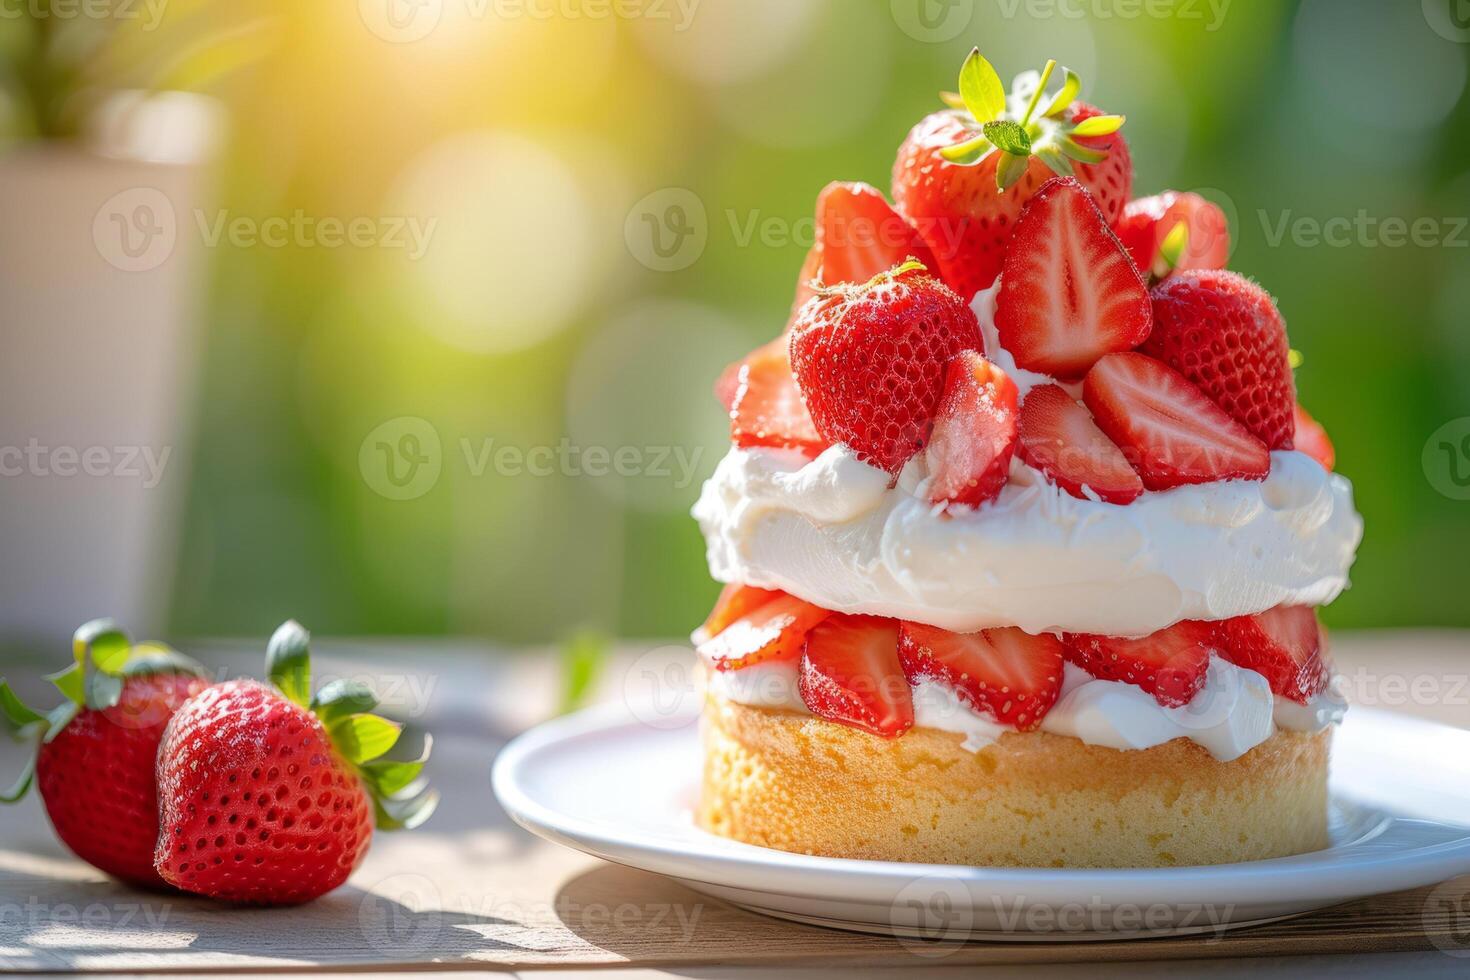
(269, 795)
(964, 173)
(94, 764)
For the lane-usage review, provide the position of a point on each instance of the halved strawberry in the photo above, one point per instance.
(772, 631)
(1169, 664)
(1312, 439)
(1148, 222)
(1069, 293)
(974, 432)
(1059, 438)
(767, 409)
(735, 601)
(850, 674)
(1169, 430)
(1284, 645)
(1011, 676)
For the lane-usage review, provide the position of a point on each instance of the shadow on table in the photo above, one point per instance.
(69, 924)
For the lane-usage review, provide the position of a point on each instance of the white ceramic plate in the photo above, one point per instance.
(606, 783)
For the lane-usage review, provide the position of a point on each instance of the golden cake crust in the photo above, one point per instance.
(797, 783)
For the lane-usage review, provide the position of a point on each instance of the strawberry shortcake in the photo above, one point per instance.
(1023, 530)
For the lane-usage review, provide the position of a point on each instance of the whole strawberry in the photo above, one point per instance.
(963, 174)
(269, 796)
(1224, 333)
(95, 763)
(870, 360)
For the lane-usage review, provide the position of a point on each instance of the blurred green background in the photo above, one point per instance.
(544, 143)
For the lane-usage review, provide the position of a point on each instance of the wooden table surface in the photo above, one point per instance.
(471, 891)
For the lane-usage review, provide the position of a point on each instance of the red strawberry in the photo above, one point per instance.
(1059, 438)
(850, 674)
(1171, 432)
(974, 433)
(1312, 439)
(870, 360)
(964, 191)
(1170, 664)
(1069, 293)
(767, 409)
(1223, 332)
(735, 601)
(264, 800)
(859, 235)
(1011, 676)
(1148, 223)
(95, 764)
(773, 630)
(1284, 645)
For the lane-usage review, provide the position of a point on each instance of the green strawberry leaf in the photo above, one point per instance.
(1171, 250)
(968, 153)
(391, 778)
(404, 814)
(288, 661)
(105, 642)
(981, 88)
(1080, 153)
(1056, 160)
(71, 682)
(952, 99)
(15, 711)
(1099, 126)
(1010, 169)
(59, 717)
(362, 738)
(103, 690)
(1071, 88)
(341, 698)
(1010, 137)
(22, 783)
(149, 659)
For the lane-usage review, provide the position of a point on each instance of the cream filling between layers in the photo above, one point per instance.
(1232, 714)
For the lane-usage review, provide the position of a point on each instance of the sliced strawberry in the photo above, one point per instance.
(1011, 676)
(974, 432)
(1149, 221)
(1069, 293)
(860, 235)
(850, 674)
(1169, 430)
(772, 631)
(1169, 664)
(735, 601)
(767, 409)
(1312, 439)
(1059, 438)
(1284, 645)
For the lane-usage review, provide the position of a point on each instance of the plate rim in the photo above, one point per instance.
(1341, 877)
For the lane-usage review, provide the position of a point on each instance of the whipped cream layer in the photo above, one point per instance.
(832, 532)
(1232, 714)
